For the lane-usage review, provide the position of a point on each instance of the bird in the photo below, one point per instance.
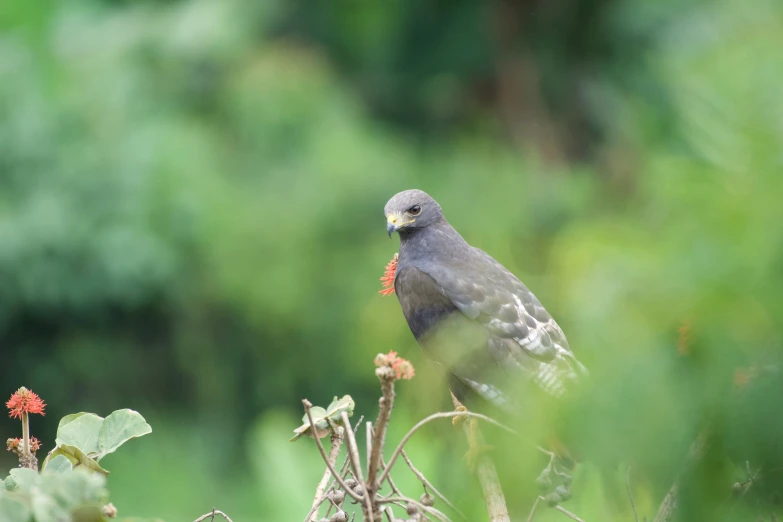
(500, 331)
(472, 317)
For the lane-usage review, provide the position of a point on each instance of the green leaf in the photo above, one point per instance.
(59, 464)
(13, 510)
(80, 430)
(46, 509)
(76, 456)
(118, 428)
(21, 478)
(322, 417)
(319, 420)
(335, 409)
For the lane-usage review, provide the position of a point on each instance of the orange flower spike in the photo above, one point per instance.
(402, 368)
(388, 276)
(25, 401)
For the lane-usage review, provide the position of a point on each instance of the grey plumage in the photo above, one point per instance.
(470, 314)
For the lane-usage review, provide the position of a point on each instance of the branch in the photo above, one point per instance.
(427, 509)
(630, 493)
(386, 375)
(695, 455)
(212, 514)
(558, 507)
(337, 441)
(435, 416)
(428, 485)
(356, 464)
(490, 483)
(307, 405)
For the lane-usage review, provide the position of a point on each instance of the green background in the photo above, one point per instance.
(191, 226)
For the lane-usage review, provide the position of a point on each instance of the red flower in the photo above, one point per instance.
(402, 368)
(388, 276)
(25, 401)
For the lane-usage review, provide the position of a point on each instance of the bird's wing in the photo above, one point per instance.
(521, 333)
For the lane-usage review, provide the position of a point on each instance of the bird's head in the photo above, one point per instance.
(411, 210)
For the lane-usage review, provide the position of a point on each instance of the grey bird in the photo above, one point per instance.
(471, 316)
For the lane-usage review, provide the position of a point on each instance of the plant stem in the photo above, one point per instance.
(25, 434)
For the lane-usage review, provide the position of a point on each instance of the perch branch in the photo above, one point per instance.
(435, 416)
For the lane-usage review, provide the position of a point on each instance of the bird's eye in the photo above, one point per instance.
(415, 210)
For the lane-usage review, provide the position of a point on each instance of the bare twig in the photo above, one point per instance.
(356, 464)
(436, 416)
(368, 441)
(568, 513)
(212, 514)
(533, 509)
(426, 509)
(307, 405)
(337, 441)
(393, 486)
(428, 485)
(630, 493)
(558, 507)
(386, 404)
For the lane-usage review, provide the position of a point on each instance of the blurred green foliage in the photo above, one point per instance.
(191, 225)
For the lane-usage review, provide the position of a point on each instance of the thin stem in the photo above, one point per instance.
(356, 464)
(435, 416)
(337, 441)
(426, 509)
(630, 493)
(307, 405)
(386, 404)
(427, 485)
(212, 514)
(25, 433)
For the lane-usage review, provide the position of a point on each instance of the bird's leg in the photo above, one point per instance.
(459, 408)
(476, 445)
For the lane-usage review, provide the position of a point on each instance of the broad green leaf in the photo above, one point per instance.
(118, 428)
(80, 430)
(58, 464)
(13, 510)
(21, 479)
(76, 456)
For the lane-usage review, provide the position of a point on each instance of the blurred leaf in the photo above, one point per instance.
(21, 478)
(12, 509)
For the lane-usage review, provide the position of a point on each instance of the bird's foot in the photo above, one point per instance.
(457, 421)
